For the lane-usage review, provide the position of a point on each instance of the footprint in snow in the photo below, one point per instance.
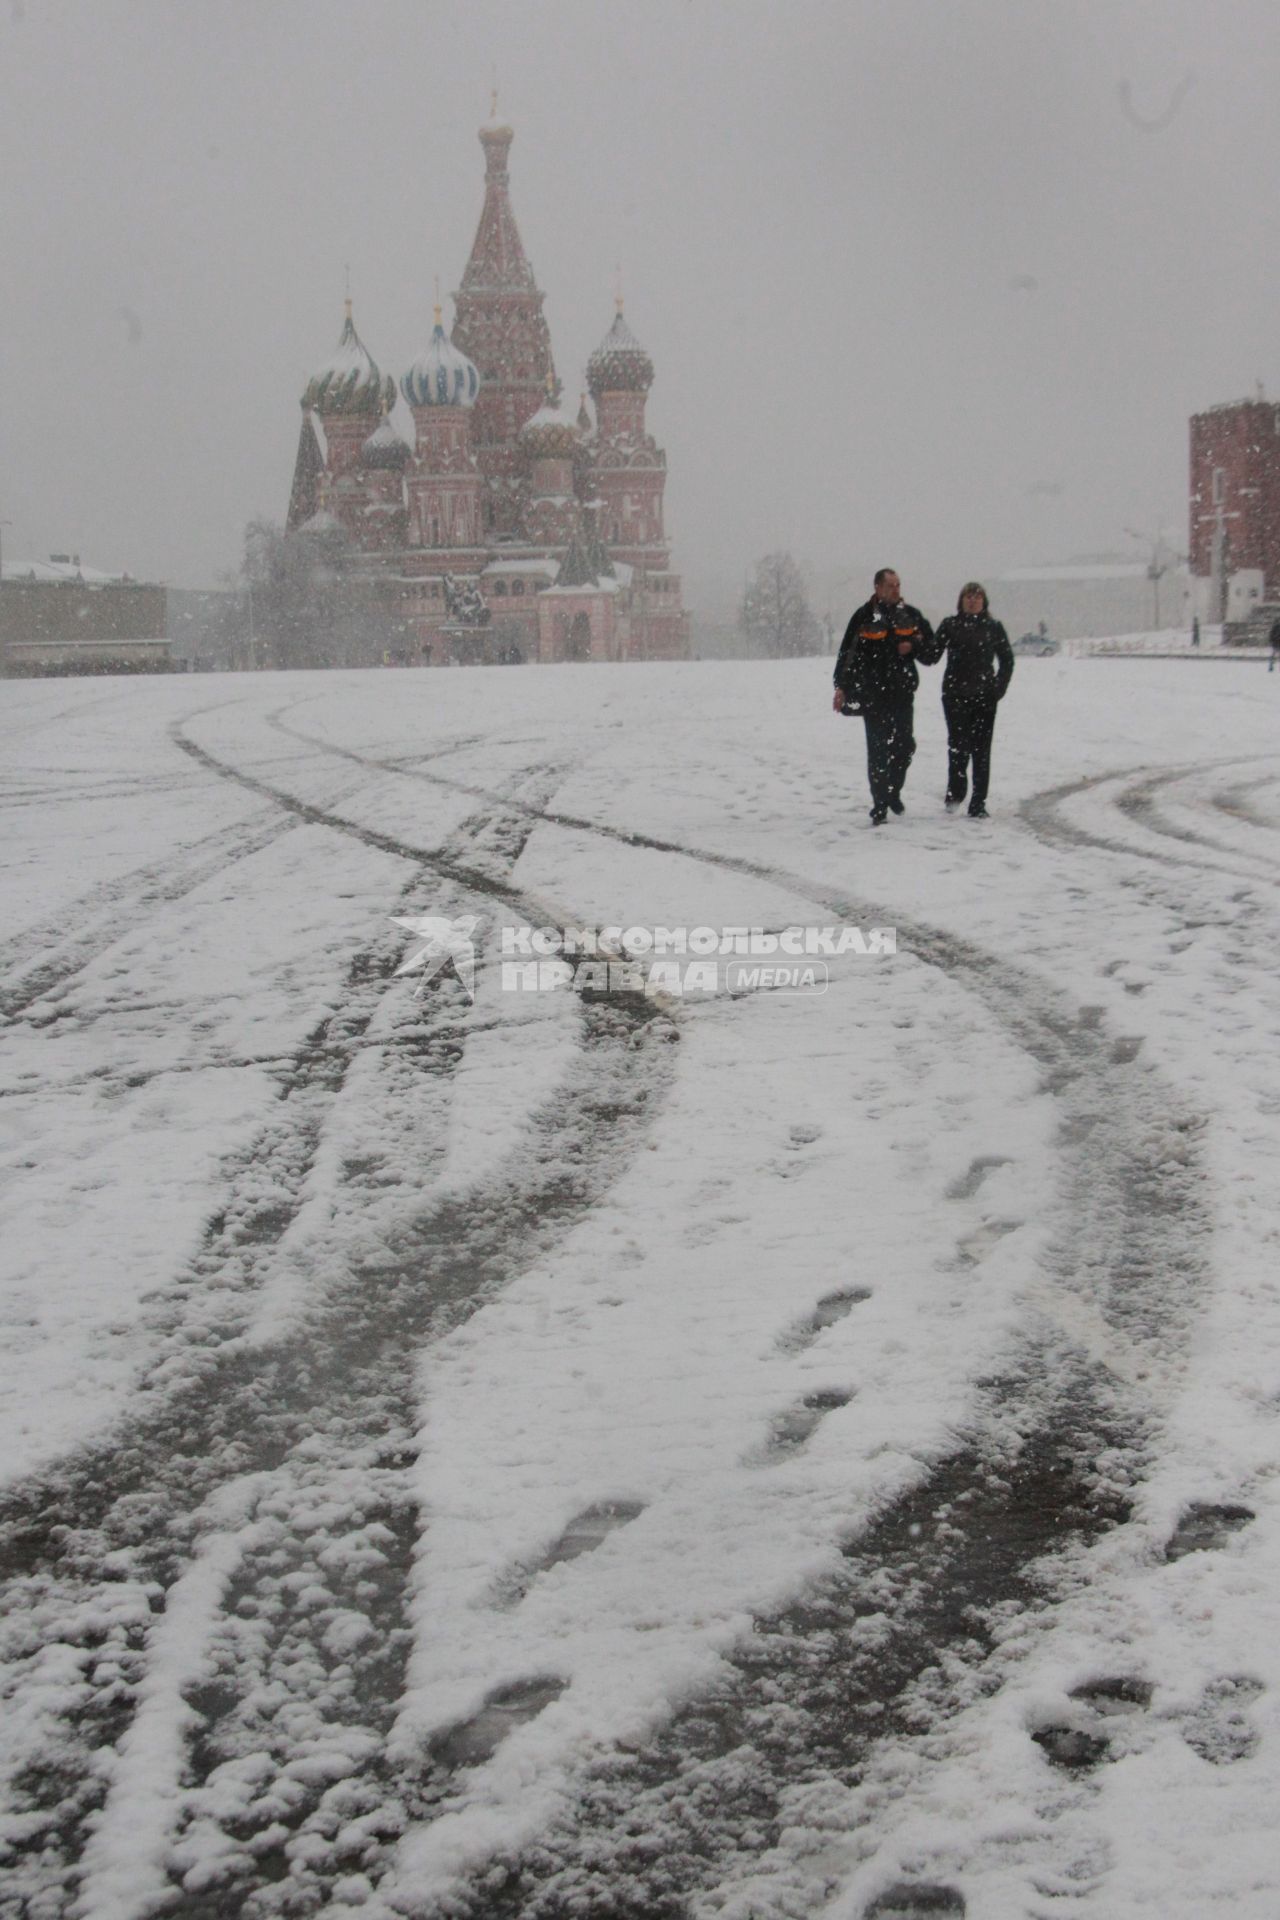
(1074, 1749)
(832, 1308)
(1115, 1697)
(1126, 1049)
(967, 1185)
(790, 1431)
(473, 1741)
(1078, 1743)
(1204, 1528)
(919, 1900)
(1216, 1728)
(584, 1533)
(976, 1245)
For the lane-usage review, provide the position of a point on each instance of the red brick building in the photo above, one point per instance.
(1235, 509)
(503, 497)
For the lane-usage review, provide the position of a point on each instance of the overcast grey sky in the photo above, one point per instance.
(937, 281)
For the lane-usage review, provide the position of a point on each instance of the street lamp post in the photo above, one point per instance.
(1162, 560)
(3, 643)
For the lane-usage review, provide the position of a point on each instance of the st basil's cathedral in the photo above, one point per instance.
(510, 530)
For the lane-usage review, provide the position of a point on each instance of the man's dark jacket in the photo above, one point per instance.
(869, 669)
(979, 659)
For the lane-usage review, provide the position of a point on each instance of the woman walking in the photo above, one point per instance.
(977, 674)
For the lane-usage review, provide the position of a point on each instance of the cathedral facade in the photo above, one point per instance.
(511, 530)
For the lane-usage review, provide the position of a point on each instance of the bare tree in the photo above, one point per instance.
(776, 619)
(310, 603)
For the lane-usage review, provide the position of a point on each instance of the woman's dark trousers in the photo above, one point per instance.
(970, 725)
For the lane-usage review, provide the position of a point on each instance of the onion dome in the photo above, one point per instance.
(619, 364)
(384, 449)
(549, 434)
(350, 382)
(441, 376)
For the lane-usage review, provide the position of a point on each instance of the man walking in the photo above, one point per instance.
(876, 677)
(1274, 640)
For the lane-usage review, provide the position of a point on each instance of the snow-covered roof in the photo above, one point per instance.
(1118, 570)
(547, 568)
(605, 585)
(53, 570)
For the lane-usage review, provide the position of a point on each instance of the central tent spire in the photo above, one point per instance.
(499, 325)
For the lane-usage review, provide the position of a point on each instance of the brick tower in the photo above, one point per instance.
(349, 396)
(630, 468)
(499, 324)
(443, 482)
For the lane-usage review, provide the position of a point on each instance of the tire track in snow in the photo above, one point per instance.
(24, 728)
(1140, 803)
(1236, 802)
(343, 1383)
(1042, 813)
(1123, 1282)
(70, 941)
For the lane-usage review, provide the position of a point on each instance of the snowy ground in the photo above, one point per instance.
(756, 1455)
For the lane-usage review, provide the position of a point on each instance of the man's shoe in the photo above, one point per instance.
(878, 816)
(952, 800)
(895, 803)
(977, 811)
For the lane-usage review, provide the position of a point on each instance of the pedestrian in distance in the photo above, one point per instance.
(876, 680)
(1274, 641)
(974, 682)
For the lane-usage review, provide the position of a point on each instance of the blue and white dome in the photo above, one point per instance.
(441, 377)
(350, 382)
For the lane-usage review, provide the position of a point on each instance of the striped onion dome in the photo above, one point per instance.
(350, 381)
(384, 448)
(441, 376)
(619, 364)
(549, 434)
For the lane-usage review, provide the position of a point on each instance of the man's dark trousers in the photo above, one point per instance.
(970, 725)
(889, 747)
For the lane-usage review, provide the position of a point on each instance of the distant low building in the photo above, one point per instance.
(59, 617)
(1089, 599)
(209, 630)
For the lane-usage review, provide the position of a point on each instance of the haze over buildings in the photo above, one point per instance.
(941, 284)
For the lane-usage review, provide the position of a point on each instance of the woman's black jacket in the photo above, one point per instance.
(979, 658)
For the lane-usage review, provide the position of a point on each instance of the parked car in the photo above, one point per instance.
(1035, 643)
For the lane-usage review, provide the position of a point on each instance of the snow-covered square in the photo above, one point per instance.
(747, 1454)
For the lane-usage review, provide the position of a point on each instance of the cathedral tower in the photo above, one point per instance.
(444, 484)
(499, 323)
(350, 396)
(630, 468)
